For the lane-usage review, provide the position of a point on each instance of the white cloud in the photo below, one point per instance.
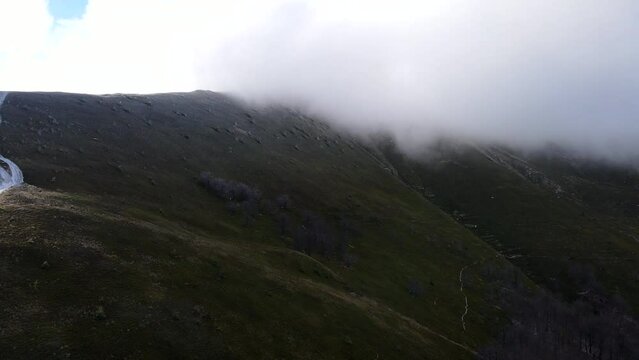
(116, 46)
(24, 26)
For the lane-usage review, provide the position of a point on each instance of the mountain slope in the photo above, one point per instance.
(552, 214)
(115, 249)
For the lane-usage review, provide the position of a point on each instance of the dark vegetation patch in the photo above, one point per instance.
(306, 231)
(543, 326)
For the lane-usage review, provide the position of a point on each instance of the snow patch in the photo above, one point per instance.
(10, 174)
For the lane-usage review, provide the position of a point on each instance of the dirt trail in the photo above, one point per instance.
(461, 289)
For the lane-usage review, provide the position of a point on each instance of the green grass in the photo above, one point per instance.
(543, 232)
(127, 228)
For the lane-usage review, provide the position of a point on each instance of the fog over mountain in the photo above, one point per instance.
(237, 193)
(523, 73)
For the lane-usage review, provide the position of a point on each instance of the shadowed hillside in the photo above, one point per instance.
(194, 226)
(116, 247)
(548, 213)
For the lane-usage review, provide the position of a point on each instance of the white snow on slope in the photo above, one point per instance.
(10, 173)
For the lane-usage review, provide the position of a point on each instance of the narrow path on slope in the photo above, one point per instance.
(461, 289)
(10, 173)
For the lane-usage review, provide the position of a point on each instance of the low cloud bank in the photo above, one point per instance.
(523, 73)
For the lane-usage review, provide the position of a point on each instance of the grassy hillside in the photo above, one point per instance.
(114, 250)
(551, 215)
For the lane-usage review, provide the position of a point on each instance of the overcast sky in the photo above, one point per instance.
(523, 72)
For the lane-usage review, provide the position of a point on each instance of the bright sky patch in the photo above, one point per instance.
(67, 9)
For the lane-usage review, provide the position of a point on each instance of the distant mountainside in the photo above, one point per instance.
(193, 226)
(543, 211)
